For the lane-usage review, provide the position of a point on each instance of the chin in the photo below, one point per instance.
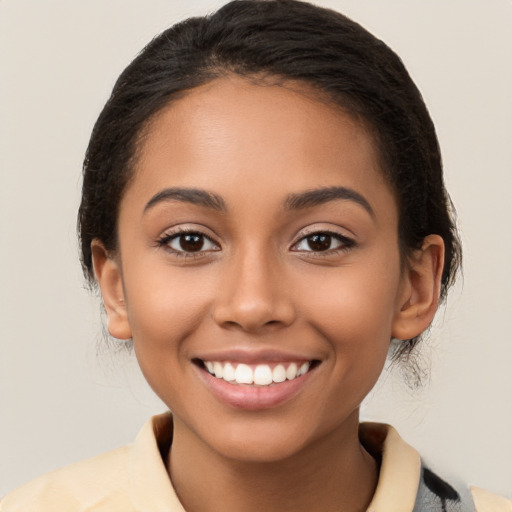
(261, 440)
(261, 450)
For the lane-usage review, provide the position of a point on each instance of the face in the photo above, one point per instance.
(257, 243)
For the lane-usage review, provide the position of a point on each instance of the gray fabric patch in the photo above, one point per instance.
(436, 495)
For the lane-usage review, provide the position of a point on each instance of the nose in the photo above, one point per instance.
(253, 295)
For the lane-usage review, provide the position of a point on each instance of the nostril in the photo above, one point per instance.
(251, 314)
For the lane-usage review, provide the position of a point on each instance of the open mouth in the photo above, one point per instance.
(263, 374)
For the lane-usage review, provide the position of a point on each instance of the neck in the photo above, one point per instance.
(335, 473)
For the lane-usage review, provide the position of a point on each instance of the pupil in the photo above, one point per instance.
(191, 242)
(319, 242)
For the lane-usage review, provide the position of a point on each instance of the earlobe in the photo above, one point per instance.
(109, 277)
(419, 296)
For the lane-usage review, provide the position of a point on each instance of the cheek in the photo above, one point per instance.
(166, 299)
(164, 308)
(353, 300)
(353, 309)
(357, 325)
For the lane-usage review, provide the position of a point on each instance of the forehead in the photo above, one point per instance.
(255, 138)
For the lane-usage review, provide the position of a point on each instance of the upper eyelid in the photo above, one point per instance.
(171, 234)
(179, 230)
(346, 244)
(167, 239)
(338, 236)
(305, 232)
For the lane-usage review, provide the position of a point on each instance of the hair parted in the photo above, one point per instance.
(283, 40)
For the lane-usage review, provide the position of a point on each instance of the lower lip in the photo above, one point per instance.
(248, 397)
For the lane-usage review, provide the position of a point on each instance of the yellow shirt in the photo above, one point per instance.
(134, 478)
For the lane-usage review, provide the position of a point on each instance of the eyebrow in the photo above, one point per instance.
(299, 201)
(188, 195)
(319, 196)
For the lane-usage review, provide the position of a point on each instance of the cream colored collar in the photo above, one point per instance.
(396, 491)
(399, 472)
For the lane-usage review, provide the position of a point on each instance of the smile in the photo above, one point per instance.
(255, 381)
(259, 374)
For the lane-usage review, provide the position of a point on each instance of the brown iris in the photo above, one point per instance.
(319, 242)
(191, 242)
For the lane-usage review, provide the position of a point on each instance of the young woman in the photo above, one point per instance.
(263, 210)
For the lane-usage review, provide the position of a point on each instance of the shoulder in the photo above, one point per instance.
(127, 479)
(486, 501)
(406, 484)
(94, 484)
(434, 493)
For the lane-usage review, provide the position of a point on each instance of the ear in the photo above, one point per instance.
(421, 287)
(108, 274)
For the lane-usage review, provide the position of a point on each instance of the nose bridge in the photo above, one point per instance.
(253, 292)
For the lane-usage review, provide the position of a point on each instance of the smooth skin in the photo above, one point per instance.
(250, 275)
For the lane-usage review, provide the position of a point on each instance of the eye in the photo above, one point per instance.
(323, 242)
(188, 242)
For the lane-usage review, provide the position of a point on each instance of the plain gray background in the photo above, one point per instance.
(61, 402)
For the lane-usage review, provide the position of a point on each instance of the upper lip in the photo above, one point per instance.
(252, 356)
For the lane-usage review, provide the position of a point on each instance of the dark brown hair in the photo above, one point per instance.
(283, 40)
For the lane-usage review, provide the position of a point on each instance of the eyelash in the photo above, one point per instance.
(346, 243)
(166, 239)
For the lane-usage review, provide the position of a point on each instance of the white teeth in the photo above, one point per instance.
(303, 369)
(229, 372)
(279, 373)
(291, 372)
(243, 374)
(218, 370)
(262, 375)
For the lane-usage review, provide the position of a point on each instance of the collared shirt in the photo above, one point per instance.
(134, 479)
